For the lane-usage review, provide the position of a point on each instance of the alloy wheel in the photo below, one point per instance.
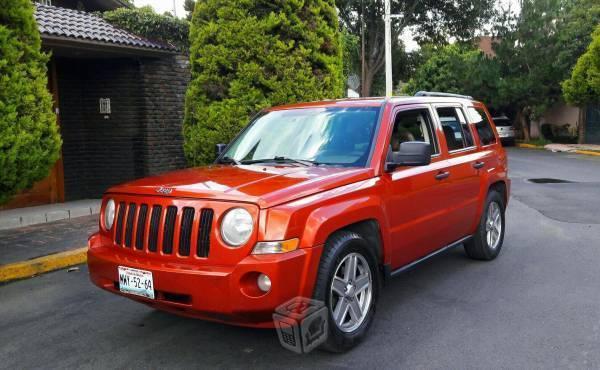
(493, 225)
(351, 292)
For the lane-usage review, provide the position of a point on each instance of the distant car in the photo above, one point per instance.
(505, 129)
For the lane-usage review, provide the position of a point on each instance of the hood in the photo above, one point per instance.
(265, 186)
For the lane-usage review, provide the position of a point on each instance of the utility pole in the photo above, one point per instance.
(388, 49)
(362, 47)
(174, 9)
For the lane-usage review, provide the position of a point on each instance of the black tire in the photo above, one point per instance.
(338, 246)
(478, 247)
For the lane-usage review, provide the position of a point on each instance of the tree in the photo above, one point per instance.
(188, 6)
(583, 87)
(29, 138)
(433, 20)
(144, 21)
(252, 54)
(537, 51)
(456, 68)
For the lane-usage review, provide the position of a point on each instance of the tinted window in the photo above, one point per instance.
(413, 125)
(484, 128)
(456, 130)
(502, 122)
(336, 136)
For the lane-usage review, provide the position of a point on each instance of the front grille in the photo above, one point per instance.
(176, 224)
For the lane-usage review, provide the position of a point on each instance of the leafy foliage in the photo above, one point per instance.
(452, 68)
(252, 54)
(433, 20)
(29, 138)
(584, 85)
(534, 52)
(146, 23)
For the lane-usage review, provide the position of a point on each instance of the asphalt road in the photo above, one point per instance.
(536, 306)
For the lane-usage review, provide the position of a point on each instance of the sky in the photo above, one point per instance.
(162, 6)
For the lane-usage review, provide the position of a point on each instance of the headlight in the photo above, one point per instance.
(109, 214)
(236, 227)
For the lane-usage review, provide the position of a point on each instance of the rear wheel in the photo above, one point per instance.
(348, 283)
(489, 237)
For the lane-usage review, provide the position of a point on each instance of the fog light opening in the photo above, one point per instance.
(263, 282)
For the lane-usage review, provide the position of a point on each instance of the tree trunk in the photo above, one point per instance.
(367, 83)
(581, 127)
(521, 121)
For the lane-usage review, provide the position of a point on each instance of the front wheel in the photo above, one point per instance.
(348, 283)
(489, 237)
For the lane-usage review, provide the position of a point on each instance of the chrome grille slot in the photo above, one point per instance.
(169, 230)
(154, 227)
(129, 224)
(204, 229)
(119, 228)
(140, 229)
(185, 233)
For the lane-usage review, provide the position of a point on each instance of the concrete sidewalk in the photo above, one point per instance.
(591, 149)
(27, 216)
(32, 250)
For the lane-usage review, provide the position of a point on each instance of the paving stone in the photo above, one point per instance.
(47, 238)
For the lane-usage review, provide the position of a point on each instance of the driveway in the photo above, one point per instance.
(536, 306)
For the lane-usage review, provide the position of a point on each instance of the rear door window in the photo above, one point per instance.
(456, 129)
(483, 126)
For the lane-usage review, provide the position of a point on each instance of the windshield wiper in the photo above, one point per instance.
(229, 160)
(281, 159)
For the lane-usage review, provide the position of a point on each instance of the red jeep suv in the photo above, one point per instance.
(322, 200)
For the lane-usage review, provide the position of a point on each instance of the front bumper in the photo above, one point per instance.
(218, 293)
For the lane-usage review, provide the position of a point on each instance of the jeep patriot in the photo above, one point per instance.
(324, 200)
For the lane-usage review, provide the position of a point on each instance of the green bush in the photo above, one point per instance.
(146, 23)
(29, 139)
(251, 54)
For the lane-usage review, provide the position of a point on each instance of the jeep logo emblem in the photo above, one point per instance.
(164, 190)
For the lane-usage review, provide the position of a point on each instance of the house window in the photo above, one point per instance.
(44, 2)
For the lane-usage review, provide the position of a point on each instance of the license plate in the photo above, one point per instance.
(134, 281)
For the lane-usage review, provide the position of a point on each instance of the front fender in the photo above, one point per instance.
(313, 219)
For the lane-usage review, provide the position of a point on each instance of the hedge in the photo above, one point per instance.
(252, 54)
(29, 138)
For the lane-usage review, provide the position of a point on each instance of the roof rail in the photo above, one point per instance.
(435, 93)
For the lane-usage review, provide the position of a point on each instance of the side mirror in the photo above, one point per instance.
(220, 148)
(411, 153)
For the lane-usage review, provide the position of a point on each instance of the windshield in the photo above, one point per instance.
(329, 136)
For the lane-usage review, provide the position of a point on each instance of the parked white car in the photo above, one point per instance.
(505, 129)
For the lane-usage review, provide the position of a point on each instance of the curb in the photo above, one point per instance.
(587, 152)
(529, 146)
(40, 265)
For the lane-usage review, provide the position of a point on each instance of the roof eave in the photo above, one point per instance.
(51, 41)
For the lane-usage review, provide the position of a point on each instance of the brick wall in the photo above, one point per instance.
(141, 136)
(164, 82)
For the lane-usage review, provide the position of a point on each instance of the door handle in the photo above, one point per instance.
(478, 165)
(442, 175)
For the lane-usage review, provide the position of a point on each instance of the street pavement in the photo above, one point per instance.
(537, 306)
